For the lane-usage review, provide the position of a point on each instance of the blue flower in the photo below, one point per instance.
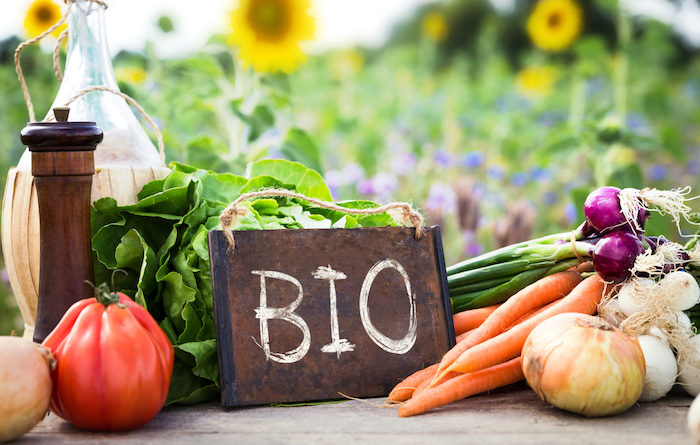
(541, 174)
(443, 158)
(595, 85)
(657, 172)
(550, 198)
(637, 122)
(693, 167)
(472, 159)
(495, 172)
(571, 213)
(519, 179)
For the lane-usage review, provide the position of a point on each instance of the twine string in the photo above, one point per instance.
(132, 101)
(573, 246)
(402, 212)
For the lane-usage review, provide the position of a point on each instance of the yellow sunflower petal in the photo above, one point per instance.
(535, 81)
(555, 24)
(41, 15)
(268, 32)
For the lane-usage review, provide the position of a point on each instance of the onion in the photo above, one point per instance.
(689, 368)
(25, 385)
(583, 364)
(661, 368)
(631, 295)
(604, 214)
(614, 255)
(611, 312)
(684, 289)
(694, 418)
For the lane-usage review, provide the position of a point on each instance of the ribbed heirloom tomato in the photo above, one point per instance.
(114, 364)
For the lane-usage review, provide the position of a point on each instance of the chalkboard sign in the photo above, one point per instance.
(306, 315)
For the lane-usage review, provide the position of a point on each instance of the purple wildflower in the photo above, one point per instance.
(571, 213)
(443, 158)
(519, 179)
(352, 173)
(384, 184)
(472, 159)
(334, 178)
(550, 198)
(495, 172)
(541, 174)
(403, 163)
(441, 197)
(637, 122)
(693, 167)
(657, 172)
(365, 187)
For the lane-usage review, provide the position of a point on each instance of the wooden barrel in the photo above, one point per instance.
(20, 225)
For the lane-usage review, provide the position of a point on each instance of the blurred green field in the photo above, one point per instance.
(463, 112)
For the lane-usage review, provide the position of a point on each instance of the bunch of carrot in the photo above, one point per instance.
(487, 354)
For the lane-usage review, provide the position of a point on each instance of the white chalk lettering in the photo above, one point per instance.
(337, 345)
(265, 313)
(400, 346)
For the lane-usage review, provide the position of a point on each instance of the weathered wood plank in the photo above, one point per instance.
(513, 415)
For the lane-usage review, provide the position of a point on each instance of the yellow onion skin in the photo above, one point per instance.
(583, 364)
(25, 384)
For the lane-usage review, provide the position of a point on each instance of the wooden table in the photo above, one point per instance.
(511, 415)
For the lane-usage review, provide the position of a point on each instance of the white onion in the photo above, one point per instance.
(628, 297)
(658, 333)
(684, 322)
(684, 289)
(611, 313)
(689, 368)
(25, 385)
(694, 418)
(661, 368)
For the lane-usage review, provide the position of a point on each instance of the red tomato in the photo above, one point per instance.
(114, 364)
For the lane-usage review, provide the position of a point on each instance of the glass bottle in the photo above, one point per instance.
(88, 64)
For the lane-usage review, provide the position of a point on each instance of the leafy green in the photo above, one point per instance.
(161, 244)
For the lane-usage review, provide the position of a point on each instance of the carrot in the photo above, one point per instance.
(461, 337)
(463, 386)
(527, 316)
(471, 319)
(585, 267)
(538, 294)
(583, 299)
(404, 390)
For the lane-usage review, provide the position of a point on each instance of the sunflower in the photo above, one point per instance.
(555, 24)
(535, 81)
(434, 27)
(268, 32)
(130, 74)
(41, 15)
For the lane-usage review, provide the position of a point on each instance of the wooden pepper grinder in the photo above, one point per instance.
(62, 166)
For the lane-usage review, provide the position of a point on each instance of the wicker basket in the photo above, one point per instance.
(20, 225)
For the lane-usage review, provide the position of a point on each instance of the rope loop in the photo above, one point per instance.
(402, 212)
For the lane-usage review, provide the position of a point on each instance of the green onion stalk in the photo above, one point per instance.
(493, 277)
